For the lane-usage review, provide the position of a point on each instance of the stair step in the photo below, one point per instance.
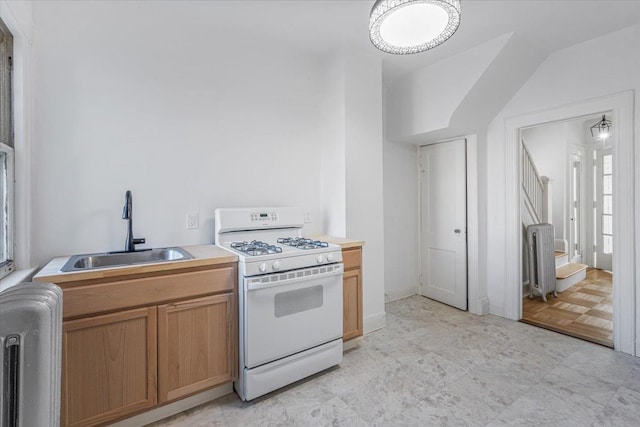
(570, 269)
(561, 259)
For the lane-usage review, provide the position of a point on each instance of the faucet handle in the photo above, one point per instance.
(140, 241)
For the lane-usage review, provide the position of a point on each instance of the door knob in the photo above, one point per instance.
(457, 231)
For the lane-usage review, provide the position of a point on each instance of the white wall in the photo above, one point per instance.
(425, 100)
(548, 148)
(571, 75)
(364, 177)
(188, 123)
(401, 230)
(334, 179)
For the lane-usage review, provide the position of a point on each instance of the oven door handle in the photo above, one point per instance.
(258, 286)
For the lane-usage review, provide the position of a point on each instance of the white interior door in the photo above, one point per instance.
(603, 209)
(444, 222)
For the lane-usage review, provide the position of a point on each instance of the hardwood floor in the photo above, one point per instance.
(584, 311)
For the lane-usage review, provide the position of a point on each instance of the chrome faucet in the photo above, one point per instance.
(127, 213)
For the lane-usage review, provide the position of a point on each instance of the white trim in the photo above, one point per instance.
(7, 269)
(624, 281)
(484, 305)
(400, 294)
(419, 198)
(477, 301)
(352, 343)
(374, 322)
(23, 126)
(579, 151)
(182, 405)
(15, 278)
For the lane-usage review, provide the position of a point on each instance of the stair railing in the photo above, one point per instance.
(532, 183)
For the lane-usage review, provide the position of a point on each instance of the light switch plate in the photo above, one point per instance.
(192, 220)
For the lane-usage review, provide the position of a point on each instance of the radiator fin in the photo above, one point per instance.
(30, 355)
(542, 260)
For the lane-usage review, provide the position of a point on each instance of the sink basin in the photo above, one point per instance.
(119, 259)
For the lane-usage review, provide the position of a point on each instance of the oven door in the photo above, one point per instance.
(289, 312)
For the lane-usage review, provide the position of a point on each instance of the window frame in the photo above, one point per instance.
(7, 204)
(7, 264)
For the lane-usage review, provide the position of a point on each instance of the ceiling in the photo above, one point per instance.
(324, 27)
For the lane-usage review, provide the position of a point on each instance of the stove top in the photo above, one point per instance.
(257, 247)
(269, 240)
(303, 243)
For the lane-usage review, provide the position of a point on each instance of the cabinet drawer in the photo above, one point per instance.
(111, 296)
(352, 258)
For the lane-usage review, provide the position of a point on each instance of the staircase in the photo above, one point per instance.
(568, 273)
(536, 208)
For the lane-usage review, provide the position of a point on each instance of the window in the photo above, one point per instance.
(607, 203)
(6, 153)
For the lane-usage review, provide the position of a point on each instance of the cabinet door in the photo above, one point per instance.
(108, 366)
(197, 342)
(352, 304)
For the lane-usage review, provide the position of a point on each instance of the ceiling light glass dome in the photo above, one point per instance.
(411, 26)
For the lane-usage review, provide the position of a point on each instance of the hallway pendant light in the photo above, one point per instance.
(411, 26)
(601, 130)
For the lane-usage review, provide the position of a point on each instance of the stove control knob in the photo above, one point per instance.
(319, 259)
(263, 267)
(276, 265)
(330, 257)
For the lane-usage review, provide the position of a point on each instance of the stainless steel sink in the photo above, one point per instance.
(119, 259)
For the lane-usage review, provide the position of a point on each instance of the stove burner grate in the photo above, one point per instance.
(303, 243)
(256, 247)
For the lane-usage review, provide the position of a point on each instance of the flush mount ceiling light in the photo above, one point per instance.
(410, 26)
(600, 131)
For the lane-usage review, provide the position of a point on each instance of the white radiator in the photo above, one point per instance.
(30, 355)
(542, 259)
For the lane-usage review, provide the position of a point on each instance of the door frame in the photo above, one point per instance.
(477, 300)
(625, 259)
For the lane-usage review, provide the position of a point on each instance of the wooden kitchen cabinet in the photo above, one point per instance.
(134, 341)
(352, 293)
(196, 345)
(108, 366)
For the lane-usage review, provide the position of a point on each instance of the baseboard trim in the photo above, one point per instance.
(483, 304)
(497, 310)
(176, 407)
(399, 294)
(375, 322)
(352, 343)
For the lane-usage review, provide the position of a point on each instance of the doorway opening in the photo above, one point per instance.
(567, 181)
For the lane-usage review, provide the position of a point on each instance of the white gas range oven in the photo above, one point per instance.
(290, 297)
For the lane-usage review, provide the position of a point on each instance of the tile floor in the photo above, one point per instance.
(435, 365)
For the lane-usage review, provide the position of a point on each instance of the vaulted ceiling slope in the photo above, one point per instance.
(461, 94)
